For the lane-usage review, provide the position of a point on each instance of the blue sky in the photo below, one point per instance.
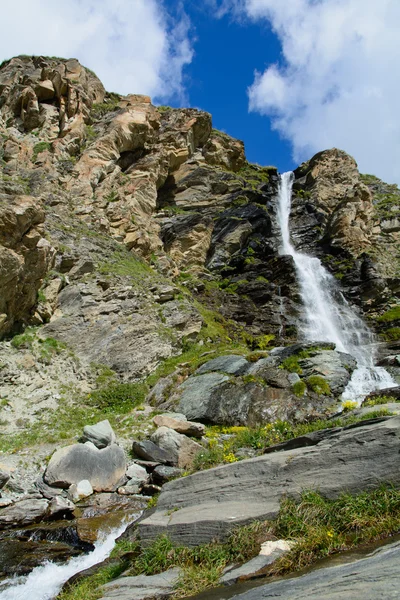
(288, 77)
(226, 54)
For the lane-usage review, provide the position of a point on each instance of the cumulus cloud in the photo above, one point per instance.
(134, 46)
(336, 83)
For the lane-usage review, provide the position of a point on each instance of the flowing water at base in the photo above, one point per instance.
(327, 315)
(45, 582)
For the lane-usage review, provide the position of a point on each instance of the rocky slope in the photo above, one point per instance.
(140, 270)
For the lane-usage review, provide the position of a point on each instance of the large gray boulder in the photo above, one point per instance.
(231, 364)
(206, 505)
(197, 393)
(180, 447)
(103, 468)
(374, 577)
(335, 367)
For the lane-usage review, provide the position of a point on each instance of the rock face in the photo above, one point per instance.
(25, 256)
(198, 508)
(373, 577)
(24, 512)
(293, 383)
(102, 468)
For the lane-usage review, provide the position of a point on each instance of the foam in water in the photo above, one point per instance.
(327, 315)
(45, 582)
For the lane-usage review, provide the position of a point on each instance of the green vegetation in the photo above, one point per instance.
(118, 397)
(223, 451)
(317, 527)
(202, 566)
(124, 263)
(38, 148)
(291, 364)
(392, 334)
(319, 385)
(299, 388)
(163, 108)
(377, 400)
(43, 348)
(110, 104)
(323, 527)
(90, 133)
(255, 175)
(303, 194)
(391, 315)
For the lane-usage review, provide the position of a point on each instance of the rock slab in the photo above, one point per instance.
(102, 468)
(206, 505)
(372, 578)
(142, 587)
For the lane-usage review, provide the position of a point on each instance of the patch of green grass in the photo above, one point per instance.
(392, 334)
(255, 175)
(377, 400)
(118, 397)
(393, 314)
(38, 148)
(202, 566)
(163, 108)
(126, 264)
(322, 527)
(319, 385)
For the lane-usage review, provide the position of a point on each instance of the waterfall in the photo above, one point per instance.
(45, 582)
(327, 315)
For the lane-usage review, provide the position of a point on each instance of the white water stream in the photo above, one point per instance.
(327, 315)
(45, 582)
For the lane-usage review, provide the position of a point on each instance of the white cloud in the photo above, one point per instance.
(337, 83)
(134, 46)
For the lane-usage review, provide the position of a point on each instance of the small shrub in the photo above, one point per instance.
(299, 388)
(38, 148)
(348, 405)
(319, 385)
(121, 397)
(291, 364)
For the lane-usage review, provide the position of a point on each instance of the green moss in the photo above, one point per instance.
(393, 314)
(303, 194)
(319, 385)
(291, 364)
(392, 334)
(299, 388)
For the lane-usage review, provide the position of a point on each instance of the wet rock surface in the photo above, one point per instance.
(373, 577)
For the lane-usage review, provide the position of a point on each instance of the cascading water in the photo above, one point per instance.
(44, 582)
(327, 315)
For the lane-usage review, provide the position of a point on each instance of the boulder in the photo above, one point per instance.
(335, 367)
(231, 364)
(181, 425)
(102, 468)
(142, 587)
(24, 512)
(60, 507)
(136, 474)
(149, 451)
(180, 447)
(162, 474)
(101, 434)
(4, 477)
(198, 508)
(197, 393)
(80, 490)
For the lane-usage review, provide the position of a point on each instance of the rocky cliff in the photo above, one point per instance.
(129, 231)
